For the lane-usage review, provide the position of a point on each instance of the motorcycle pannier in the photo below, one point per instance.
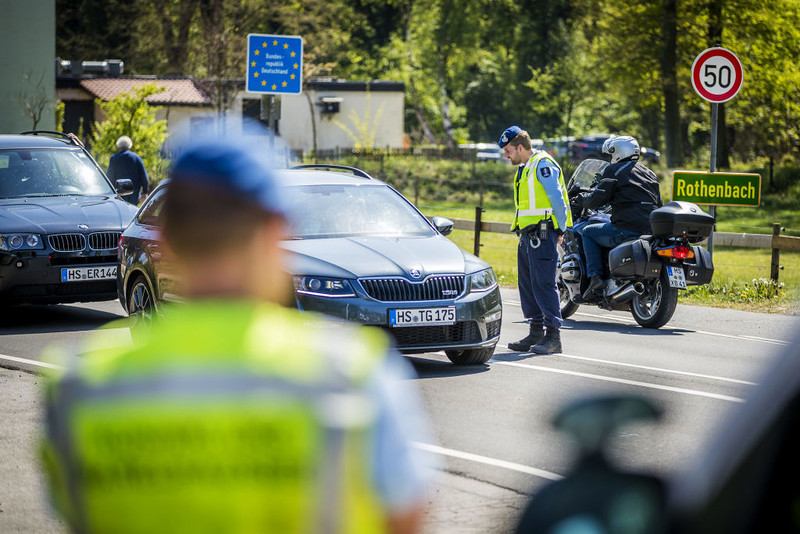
(634, 259)
(699, 270)
(681, 219)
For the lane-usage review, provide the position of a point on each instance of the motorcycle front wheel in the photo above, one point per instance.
(567, 306)
(655, 306)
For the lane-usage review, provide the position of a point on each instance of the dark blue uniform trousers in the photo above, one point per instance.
(536, 273)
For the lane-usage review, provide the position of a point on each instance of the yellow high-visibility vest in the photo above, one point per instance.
(533, 205)
(228, 417)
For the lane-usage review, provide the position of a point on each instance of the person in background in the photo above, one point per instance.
(234, 413)
(542, 215)
(632, 191)
(126, 164)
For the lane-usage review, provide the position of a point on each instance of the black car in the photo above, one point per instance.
(60, 221)
(360, 252)
(591, 147)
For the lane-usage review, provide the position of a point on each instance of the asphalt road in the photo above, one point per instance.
(492, 423)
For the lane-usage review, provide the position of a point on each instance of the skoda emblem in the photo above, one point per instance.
(83, 226)
(415, 273)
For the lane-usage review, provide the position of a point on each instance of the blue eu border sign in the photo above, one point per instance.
(717, 188)
(274, 64)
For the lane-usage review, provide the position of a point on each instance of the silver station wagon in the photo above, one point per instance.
(359, 251)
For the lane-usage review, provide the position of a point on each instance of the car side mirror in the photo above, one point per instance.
(124, 186)
(444, 225)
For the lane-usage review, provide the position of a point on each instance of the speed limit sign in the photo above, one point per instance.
(717, 75)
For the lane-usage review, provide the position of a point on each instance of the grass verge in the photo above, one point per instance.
(741, 275)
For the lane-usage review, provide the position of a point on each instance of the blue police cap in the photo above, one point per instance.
(227, 165)
(510, 133)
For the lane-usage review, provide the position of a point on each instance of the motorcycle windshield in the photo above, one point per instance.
(588, 173)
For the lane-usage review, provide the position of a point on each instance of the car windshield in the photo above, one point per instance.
(353, 210)
(44, 172)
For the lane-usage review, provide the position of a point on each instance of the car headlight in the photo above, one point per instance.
(9, 242)
(482, 281)
(323, 287)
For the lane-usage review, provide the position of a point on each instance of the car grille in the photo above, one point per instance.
(59, 261)
(435, 336)
(400, 289)
(104, 240)
(67, 242)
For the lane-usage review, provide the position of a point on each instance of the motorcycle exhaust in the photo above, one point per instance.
(627, 293)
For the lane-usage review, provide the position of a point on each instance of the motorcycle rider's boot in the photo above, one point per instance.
(550, 344)
(535, 335)
(595, 283)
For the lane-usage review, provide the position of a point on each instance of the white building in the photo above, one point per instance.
(331, 114)
(27, 79)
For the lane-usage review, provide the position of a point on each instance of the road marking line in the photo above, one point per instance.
(29, 362)
(624, 381)
(632, 321)
(768, 340)
(617, 318)
(670, 371)
(488, 461)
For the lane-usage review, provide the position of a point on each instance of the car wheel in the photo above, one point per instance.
(141, 307)
(470, 356)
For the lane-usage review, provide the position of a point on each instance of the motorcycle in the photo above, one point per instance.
(642, 275)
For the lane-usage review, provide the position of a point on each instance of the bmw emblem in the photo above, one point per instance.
(83, 226)
(415, 273)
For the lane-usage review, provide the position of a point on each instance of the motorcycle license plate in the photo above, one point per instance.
(676, 277)
(422, 316)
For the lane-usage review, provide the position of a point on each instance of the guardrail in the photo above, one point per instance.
(775, 241)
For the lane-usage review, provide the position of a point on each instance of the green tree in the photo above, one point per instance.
(96, 29)
(130, 114)
(763, 119)
(471, 68)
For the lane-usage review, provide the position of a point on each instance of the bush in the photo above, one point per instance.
(434, 180)
(730, 290)
(784, 178)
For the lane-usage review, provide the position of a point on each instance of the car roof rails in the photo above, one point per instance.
(72, 138)
(324, 166)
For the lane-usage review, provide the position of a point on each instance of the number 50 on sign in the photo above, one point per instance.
(717, 75)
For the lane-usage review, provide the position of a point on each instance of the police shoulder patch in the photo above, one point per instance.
(545, 172)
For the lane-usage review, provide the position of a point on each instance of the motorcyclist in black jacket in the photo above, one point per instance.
(632, 191)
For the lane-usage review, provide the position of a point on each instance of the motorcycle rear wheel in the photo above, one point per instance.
(656, 305)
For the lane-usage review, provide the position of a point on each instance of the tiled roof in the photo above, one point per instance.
(181, 91)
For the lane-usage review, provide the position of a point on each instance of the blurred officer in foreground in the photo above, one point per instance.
(235, 414)
(541, 217)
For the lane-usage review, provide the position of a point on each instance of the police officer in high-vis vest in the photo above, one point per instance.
(542, 215)
(234, 413)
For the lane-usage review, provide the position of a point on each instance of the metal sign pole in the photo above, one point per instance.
(271, 112)
(265, 113)
(713, 168)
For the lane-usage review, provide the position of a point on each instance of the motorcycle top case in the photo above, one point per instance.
(634, 259)
(681, 219)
